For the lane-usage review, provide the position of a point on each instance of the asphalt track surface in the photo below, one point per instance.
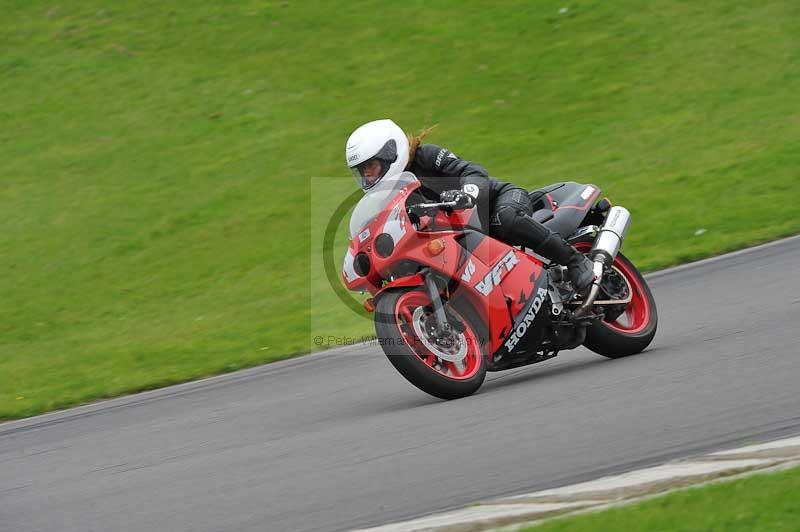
(339, 440)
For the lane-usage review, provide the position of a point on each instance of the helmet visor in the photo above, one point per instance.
(368, 173)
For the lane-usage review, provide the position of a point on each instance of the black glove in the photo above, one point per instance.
(462, 199)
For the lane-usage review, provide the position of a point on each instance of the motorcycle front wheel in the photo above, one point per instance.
(447, 370)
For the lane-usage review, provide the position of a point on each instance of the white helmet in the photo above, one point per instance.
(380, 141)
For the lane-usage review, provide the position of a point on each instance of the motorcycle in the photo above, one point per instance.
(451, 303)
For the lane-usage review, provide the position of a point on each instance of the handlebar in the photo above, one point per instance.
(424, 208)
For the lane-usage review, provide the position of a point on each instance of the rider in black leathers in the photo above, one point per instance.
(504, 208)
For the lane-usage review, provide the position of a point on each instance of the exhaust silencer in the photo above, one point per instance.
(609, 239)
(605, 249)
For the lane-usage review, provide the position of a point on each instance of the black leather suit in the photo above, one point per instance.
(500, 204)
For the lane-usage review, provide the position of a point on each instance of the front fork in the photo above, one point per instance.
(443, 327)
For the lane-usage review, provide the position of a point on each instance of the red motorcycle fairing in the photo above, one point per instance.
(498, 280)
(528, 332)
(410, 280)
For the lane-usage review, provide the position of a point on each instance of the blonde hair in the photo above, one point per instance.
(415, 140)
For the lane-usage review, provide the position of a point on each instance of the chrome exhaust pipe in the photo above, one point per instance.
(605, 249)
(611, 234)
(595, 289)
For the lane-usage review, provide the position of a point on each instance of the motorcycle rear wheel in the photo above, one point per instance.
(415, 356)
(629, 330)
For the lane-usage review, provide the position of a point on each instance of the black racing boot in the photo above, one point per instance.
(528, 232)
(580, 269)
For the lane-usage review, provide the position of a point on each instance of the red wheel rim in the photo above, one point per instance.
(404, 316)
(636, 315)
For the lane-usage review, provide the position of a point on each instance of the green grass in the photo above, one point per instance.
(155, 158)
(761, 503)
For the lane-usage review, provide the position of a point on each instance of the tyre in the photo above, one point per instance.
(628, 328)
(402, 319)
